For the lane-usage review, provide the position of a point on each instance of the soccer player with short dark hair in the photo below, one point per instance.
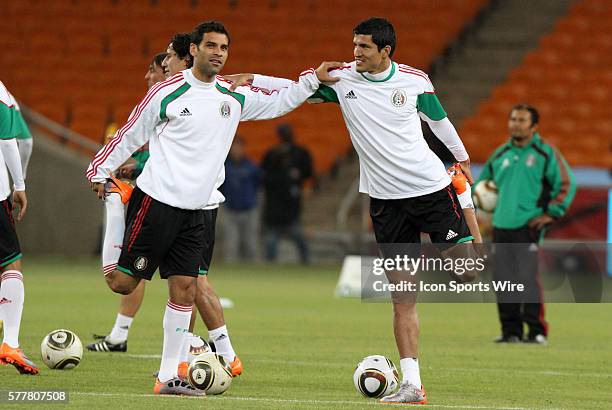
(178, 57)
(189, 120)
(410, 191)
(206, 301)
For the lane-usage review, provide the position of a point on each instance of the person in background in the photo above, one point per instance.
(535, 187)
(240, 223)
(286, 167)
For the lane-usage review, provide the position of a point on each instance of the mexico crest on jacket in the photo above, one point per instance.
(398, 98)
(225, 109)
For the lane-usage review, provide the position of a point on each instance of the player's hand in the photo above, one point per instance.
(108, 138)
(324, 69)
(20, 199)
(98, 188)
(465, 167)
(127, 170)
(541, 221)
(239, 80)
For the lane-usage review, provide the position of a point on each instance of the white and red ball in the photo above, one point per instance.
(61, 349)
(376, 376)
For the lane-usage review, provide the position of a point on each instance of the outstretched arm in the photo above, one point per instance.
(260, 104)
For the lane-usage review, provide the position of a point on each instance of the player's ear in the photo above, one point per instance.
(193, 49)
(386, 51)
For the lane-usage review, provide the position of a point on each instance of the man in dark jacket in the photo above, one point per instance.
(285, 167)
(240, 223)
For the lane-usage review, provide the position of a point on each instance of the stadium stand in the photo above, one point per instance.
(568, 78)
(82, 63)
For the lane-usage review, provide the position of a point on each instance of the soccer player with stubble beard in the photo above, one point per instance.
(177, 58)
(190, 121)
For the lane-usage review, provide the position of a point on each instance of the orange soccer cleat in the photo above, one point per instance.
(458, 178)
(236, 366)
(183, 369)
(117, 186)
(16, 357)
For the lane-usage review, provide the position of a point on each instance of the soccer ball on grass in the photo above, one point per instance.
(211, 373)
(376, 376)
(61, 349)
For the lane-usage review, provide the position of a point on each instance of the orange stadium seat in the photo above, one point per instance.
(96, 53)
(568, 78)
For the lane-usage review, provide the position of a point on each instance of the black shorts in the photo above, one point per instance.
(210, 220)
(9, 243)
(160, 235)
(402, 220)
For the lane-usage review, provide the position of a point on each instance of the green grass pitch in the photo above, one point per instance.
(299, 345)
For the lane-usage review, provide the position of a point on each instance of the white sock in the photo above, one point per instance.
(11, 305)
(176, 326)
(185, 349)
(113, 232)
(223, 345)
(410, 371)
(120, 329)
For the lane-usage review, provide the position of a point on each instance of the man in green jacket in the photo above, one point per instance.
(535, 187)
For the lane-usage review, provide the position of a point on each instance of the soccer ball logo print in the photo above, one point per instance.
(140, 263)
(59, 337)
(398, 98)
(225, 109)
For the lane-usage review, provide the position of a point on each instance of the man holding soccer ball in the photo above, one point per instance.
(535, 187)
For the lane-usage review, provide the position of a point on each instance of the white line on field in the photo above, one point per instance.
(297, 401)
(531, 372)
(143, 356)
(455, 369)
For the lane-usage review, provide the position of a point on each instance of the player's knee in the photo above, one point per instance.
(466, 277)
(16, 265)
(204, 289)
(404, 309)
(119, 284)
(464, 252)
(118, 287)
(183, 289)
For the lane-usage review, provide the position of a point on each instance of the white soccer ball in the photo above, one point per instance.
(211, 373)
(197, 346)
(376, 376)
(485, 195)
(61, 349)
